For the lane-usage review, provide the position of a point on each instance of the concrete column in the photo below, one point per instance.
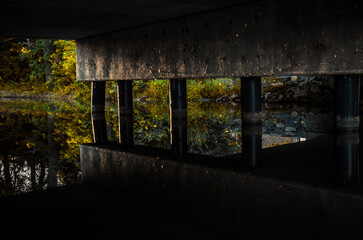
(251, 120)
(178, 118)
(98, 112)
(347, 104)
(125, 113)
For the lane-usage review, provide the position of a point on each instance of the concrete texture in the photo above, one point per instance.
(285, 197)
(278, 37)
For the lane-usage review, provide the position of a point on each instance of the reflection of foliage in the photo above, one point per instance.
(213, 129)
(25, 126)
(151, 125)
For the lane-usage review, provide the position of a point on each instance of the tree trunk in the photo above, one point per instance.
(47, 65)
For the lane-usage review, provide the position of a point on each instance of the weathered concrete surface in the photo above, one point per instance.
(278, 37)
(217, 194)
(67, 19)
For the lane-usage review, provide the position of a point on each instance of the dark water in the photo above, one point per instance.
(39, 141)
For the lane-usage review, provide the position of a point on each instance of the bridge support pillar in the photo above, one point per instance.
(178, 118)
(347, 104)
(98, 112)
(251, 120)
(125, 113)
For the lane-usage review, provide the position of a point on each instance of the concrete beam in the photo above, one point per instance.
(278, 37)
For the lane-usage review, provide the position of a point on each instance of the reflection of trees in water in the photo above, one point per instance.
(39, 142)
(21, 174)
(213, 129)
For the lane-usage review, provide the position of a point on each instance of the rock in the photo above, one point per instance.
(280, 125)
(301, 92)
(222, 99)
(294, 79)
(204, 100)
(290, 129)
(315, 89)
(267, 95)
(235, 98)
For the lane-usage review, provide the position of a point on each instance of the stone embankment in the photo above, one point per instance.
(304, 89)
(293, 89)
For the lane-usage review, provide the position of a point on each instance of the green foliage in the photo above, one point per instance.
(157, 90)
(33, 52)
(270, 82)
(26, 63)
(197, 89)
(212, 88)
(12, 68)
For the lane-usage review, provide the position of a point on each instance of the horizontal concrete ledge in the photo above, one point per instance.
(258, 38)
(236, 202)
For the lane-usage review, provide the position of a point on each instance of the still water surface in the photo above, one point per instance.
(39, 140)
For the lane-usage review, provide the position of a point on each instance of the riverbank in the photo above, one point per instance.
(33, 96)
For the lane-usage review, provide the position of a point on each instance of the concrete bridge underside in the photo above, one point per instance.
(127, 40)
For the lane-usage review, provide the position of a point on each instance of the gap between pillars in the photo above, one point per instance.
(346, 134)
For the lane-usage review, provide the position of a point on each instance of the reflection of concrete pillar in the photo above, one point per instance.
(347, 157)
(251, 120)
(125, 113)
(98, 112)
(178, 118)
(347, 102)
(251, 144)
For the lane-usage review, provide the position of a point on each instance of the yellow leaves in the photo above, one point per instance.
(24, 50)
(30, 145)
(87, 140)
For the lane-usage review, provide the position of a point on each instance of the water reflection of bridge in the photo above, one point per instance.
(244, 39)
